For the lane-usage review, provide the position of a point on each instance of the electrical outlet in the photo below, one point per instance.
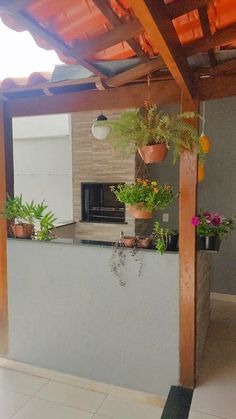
(165, 218)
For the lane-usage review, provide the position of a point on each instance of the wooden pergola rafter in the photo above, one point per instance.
(163, 35)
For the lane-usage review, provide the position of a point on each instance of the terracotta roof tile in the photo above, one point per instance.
(73, 21)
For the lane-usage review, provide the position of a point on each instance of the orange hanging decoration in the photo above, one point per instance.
(205, 143)
(200, 172)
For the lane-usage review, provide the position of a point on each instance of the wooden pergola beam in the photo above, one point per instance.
(227, 66)
(106, 9)
(187, 256)
(3, 240)
(216, 87)
(178, 8)
(221, 37)
(205, 24)
(163, 92)
(120, 33)
(135, 72)
(164, 38)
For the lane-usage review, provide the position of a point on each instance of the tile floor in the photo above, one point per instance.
(25, 396)
(215, 395)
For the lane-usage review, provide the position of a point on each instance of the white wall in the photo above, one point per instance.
(43, 162)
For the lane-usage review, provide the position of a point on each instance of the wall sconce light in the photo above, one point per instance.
(100, 131)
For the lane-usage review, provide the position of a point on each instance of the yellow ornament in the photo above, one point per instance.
(205, 143)
(200, 172)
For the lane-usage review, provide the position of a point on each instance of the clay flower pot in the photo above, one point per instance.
(140, 213)
(129, 241)
(22, 231)
(144, 242)
(153, 153)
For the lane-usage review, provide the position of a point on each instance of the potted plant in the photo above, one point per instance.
(165, 238)
(152, 133)
(144, 197)
(211, 228)
(23, 218)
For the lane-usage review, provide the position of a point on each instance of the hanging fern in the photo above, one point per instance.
(148, 126)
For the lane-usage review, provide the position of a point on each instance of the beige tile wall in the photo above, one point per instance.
(96, 161)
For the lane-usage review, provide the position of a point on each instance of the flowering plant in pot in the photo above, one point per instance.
(152, 133)
(211, 228)
(144, 196)
(165, 238)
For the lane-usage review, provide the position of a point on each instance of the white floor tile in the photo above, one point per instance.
(198, 415)
(100, 417)
(42, 409)
(10, 402)
(116, 408)
(71, 396)
(20, 382)
(216, 394)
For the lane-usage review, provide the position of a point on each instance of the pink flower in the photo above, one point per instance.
(217, 219)
(195, 221)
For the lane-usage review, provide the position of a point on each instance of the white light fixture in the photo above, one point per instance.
(100, 130)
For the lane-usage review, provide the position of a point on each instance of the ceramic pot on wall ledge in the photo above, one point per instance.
(208, 242)
(22, 231)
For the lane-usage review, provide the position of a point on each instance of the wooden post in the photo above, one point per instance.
(187, 255)
(3, 241)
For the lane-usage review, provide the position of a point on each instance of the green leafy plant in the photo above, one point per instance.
(13, 208)
(211, 224)
(161, 235)
(149, 126)
(46, 225)
(144, 194)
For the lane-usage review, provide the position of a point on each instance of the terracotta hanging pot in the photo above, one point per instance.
(205, 143)
(22, 231)
(153, 153)
(140, 213)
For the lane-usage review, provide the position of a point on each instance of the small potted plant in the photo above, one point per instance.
(23, 218)
(211, 228)
(165, 238)
(152, 133)
(144, 197)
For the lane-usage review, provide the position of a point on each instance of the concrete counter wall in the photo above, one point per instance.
(67, 312)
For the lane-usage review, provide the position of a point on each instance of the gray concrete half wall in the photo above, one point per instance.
(67, 312)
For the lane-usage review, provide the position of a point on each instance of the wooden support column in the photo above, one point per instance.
(187, 254)
(3, 241)
(9, 164)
